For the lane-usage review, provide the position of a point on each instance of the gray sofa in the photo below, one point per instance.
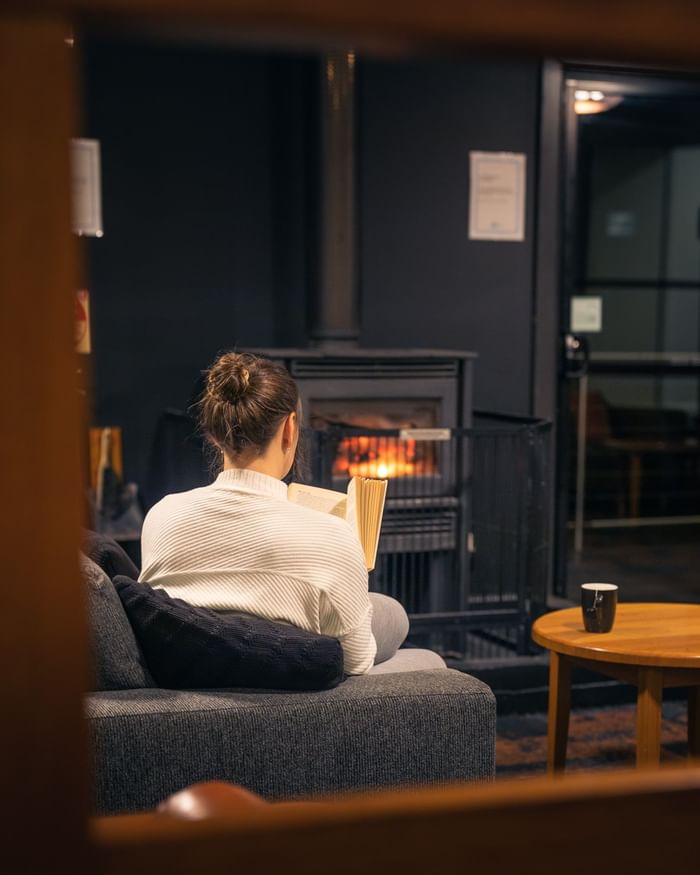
(379, 730)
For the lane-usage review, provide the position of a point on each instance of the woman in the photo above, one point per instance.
(238, 544)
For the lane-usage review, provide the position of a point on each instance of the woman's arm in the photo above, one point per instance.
(345, 608)
(359, 646)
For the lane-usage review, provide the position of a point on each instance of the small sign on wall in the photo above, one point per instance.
(496, 196)
(83, 341)
(86, 187)
(586, 314)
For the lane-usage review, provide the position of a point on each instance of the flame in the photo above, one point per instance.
(384, 458)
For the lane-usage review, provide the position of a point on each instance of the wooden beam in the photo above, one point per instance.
(624, 821)
(626, 29)
(42, 645)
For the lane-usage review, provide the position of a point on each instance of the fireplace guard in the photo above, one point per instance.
(469, 563)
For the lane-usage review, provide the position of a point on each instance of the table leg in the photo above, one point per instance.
(694, 722)
(649, 698)
(558, 714)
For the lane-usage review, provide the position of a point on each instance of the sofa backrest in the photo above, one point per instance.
(108, 554)
(118, 663)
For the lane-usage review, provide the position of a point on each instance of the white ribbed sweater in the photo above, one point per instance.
(240, 545)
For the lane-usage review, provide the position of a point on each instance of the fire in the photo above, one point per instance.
(367, 456)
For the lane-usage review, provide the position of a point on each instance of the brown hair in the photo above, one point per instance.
(244, 401)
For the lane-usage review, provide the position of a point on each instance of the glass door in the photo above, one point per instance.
(629, 461)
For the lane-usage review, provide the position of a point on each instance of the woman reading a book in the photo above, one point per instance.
(239, 544)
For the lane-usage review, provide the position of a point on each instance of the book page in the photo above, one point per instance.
(366, 498)
(375, 513)
(351, 510)
(323, 500)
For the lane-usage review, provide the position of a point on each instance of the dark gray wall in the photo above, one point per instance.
(185, 269)
(208, 160)
(424, 283)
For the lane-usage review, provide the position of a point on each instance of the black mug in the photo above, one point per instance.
(598, 603)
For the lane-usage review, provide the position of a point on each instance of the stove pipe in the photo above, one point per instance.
(335, 317)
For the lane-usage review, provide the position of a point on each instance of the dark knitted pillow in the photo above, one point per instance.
(186, 647)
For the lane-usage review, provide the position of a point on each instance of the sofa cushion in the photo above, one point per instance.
(188, 647)
(108, 554)
(370, 732)
(117, 660)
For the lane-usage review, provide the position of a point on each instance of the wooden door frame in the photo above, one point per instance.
(43, 641)
(43, 646)
(535, 826)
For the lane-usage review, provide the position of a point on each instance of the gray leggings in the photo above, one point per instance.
(389, 625)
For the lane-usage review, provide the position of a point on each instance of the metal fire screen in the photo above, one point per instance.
(464, 543)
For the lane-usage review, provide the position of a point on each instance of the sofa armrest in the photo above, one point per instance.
(374, 731)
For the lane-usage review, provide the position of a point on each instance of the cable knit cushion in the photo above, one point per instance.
(187, 647)
(117, 661)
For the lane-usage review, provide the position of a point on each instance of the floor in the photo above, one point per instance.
(649, 563)
(599, 738)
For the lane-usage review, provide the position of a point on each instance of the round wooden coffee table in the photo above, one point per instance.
(651, 645)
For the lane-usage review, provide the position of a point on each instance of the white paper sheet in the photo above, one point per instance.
(497, 196)
(86, 187)
(316, 498)
(586, 313)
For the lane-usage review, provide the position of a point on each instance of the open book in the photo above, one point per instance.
(362, 507)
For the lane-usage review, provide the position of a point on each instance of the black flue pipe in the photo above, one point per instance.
(335, 314)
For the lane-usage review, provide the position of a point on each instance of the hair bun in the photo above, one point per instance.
(229, 379)
(239, 381)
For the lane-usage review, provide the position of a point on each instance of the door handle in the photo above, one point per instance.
(576, 356)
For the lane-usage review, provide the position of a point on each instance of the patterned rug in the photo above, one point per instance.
(598, 738)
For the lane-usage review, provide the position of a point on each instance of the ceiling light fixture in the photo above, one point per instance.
(589, 102)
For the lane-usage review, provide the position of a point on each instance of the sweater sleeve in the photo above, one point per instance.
(345, 611)
(357, 641)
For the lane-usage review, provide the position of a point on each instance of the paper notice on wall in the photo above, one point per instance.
(496, 196)
(82, 322)
(86, 191)
(586, 313)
